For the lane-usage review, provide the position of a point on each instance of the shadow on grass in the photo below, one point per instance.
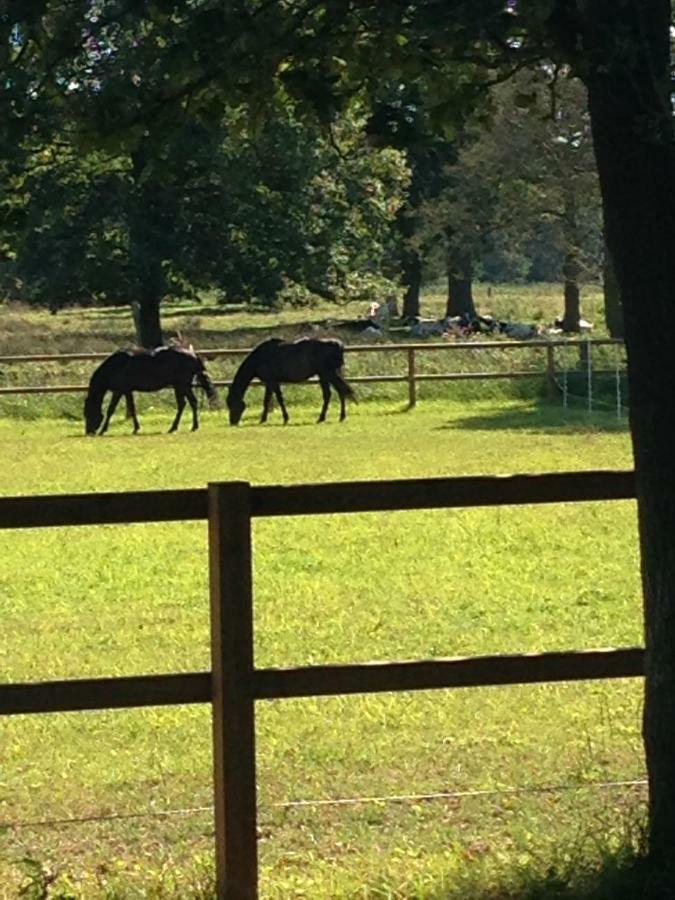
(244, 336)
(98, 313)
(625, 876)
(544, 417)
(625, 873)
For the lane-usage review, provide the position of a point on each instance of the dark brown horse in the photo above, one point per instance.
(145, 370)
(277, 362)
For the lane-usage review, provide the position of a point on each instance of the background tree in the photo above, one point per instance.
(542, 129)
(265, 215)
(523, 176)
(400, 121)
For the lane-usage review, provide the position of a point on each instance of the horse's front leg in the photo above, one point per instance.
(112, 406)
(180, 403)
(280, 401)
(131, 410)
(267, 399)
(192, 400)
(325, 390)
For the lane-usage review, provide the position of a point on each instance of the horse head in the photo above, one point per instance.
(236, 406)
(93, 415)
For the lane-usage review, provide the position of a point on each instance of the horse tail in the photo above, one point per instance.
(336, 361)
(344, 388)
(206, 383)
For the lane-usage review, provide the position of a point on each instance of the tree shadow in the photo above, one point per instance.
(623, 876)
(123, 311)
(615, 879)
(204, 338)
(543, 417)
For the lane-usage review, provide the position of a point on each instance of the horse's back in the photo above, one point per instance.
(294, 361)
(147, 370)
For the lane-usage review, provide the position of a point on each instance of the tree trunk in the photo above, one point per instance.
(460, 291)
(628, 85)
(613, 310)
(144, 252)
(571, 268)
(412, 281)
(572, 314)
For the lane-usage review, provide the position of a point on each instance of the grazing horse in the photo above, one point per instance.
(277, 362)
(145, 370)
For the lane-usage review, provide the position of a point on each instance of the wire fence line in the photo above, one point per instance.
(337, 801)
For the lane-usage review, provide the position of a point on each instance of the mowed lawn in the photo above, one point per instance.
(134, 599)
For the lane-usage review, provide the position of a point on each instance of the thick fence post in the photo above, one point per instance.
(234, 766)
(412, 384)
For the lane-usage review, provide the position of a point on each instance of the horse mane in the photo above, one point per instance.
(246, 371)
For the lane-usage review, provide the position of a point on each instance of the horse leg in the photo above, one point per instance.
(325, 390)
(280, 401)
(112, 406)
(131, 411)
(180, 403)
(192, 400)
(266, 403)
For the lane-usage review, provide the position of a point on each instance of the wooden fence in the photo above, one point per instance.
(409, 351)
(234, 684)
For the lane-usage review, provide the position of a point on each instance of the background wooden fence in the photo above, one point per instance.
(234, 684)
(408, 351)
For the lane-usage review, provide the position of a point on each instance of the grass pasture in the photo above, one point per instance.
(133, 599)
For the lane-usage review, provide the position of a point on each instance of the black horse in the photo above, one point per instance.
(276, 362)
(145, 370)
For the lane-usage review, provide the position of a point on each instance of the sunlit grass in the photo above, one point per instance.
(131, 599)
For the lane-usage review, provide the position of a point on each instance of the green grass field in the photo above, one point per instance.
(133, 599)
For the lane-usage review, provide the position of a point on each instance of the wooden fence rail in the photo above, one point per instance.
(410, 352)
(234, 685)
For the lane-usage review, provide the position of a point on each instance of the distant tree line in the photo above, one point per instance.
(276, 207)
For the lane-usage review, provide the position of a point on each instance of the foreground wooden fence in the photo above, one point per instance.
(234, 684)
(409, 352)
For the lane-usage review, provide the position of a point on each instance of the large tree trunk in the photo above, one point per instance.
(144, 244)
(460, 285)
(411, 265)
(571, 268)
(612, 295)
(628, 85)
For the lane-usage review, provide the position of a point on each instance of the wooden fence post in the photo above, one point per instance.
(550, 373)
(231, 590)
(412, 384)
